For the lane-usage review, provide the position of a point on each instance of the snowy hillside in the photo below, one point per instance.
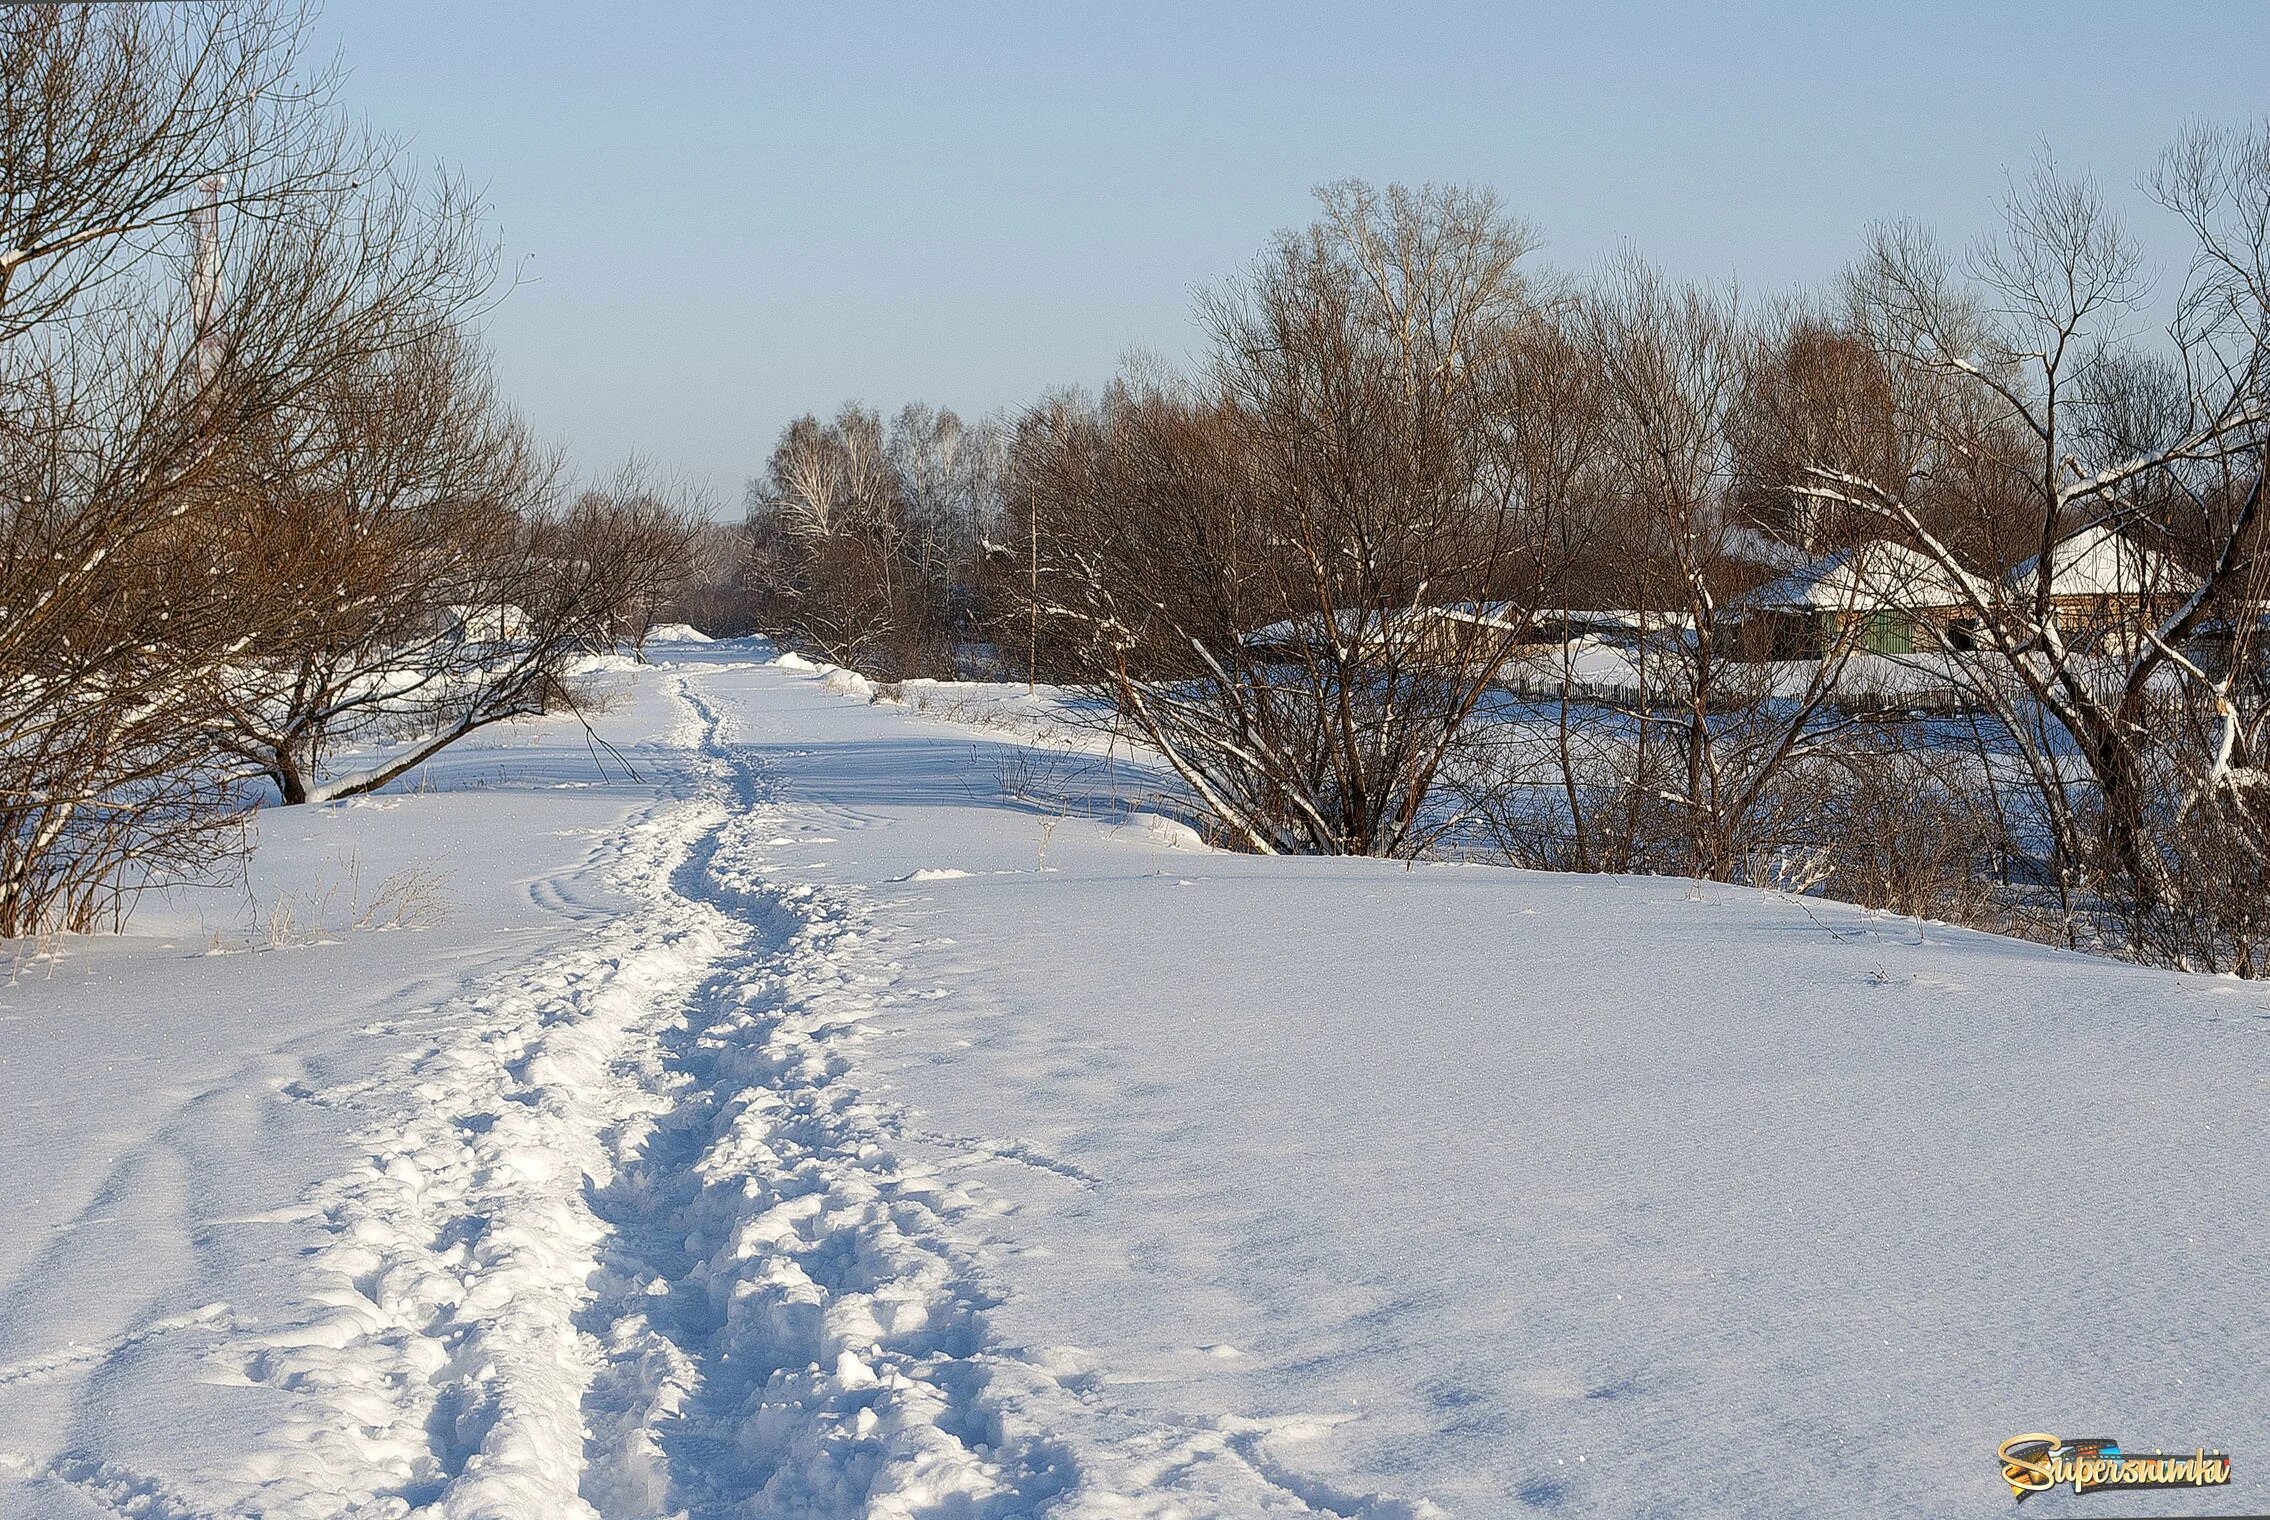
(851, 1114)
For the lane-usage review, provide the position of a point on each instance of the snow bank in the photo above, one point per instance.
(1156, 831)
(848, 683)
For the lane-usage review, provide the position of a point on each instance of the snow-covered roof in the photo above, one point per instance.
(1744, 542)
(1362, 626)
(1513, 617)
(1875, 574)
(1505, 616)
(2100, 560)
(1353, 625)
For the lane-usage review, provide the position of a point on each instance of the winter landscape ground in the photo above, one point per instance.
(820, 1122)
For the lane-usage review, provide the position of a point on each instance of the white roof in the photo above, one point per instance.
(1545, 614)
(1354, 625)
(2102, 561)
(1504, 616)
(1747, 543)
(1878, 573)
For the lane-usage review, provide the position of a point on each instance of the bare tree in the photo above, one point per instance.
(1728, 743)
(120, 124)
(2010, 368)
(128, 390)
(865, 538)
(1813, 393)
(390, 514)
(643, 535)
(112, 599)
(1298, 581)
(716, 597)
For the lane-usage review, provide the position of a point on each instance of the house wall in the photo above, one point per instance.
(2088, 616)
(1783, 635)
(1794, 635)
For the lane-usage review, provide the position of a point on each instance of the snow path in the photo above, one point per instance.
(654, 1113)
(785, 1327)
(632, 1242)
(447, 1368)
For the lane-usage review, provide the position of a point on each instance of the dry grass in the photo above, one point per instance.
(414, 897)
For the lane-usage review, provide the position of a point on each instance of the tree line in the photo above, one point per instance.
(1439, 551)
(262, 505)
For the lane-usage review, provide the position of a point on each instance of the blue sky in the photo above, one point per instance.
(730, 214)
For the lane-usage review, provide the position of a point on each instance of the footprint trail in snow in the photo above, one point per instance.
(641, 1247)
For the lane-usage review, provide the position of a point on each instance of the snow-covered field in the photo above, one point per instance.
(848, 1116)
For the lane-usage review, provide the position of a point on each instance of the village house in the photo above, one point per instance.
(1465, 633)
(2103, 583)
(1879, 596)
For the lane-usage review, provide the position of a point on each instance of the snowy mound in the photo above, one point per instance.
(1157, 831)
(677, 633)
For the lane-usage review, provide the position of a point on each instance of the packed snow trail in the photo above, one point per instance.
(630, 1241)
(785, 1327)
(777, 1320)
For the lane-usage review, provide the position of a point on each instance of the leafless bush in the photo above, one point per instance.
(1580, 790)
(1909, 830)
(414, 897)
(1058, 781)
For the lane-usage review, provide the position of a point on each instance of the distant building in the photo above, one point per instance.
(1483, 638)
(2101, 581)
(1878, 596)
